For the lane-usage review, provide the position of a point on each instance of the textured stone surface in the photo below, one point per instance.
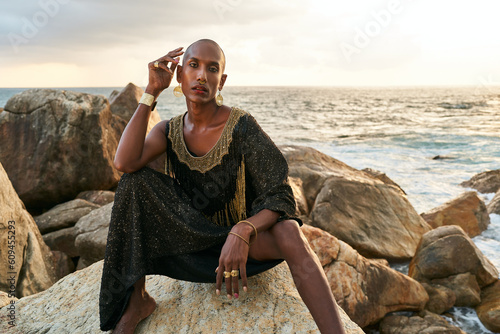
(489, 309)
(448, 251)
(382, 177)
(465, 287)
(64, 215)
(22, 250)
(494, 205)
(300, 198)
(99, 197)
(485, 182)
(367, 290)
(91, 234)
(373, 217)
(429, 323)
(441, 298)
(467, 211)
(65, 143)
(272, 305)
(62, 240)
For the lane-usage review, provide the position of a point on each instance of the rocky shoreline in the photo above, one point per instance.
(57, 182)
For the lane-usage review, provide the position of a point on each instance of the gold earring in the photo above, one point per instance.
(178, 91)
(219, 99)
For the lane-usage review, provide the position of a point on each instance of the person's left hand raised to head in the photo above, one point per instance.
(232, 263)
(161, 73)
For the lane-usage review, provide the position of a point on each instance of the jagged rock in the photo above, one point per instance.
(447, 251)
(26, 259)
(465, 287)
(64, 215)
(99, 197)
(63, 264)
(56, 134)
(367, 290)
(485, 182)
(373, 217)
(467, 211)
(494, 205)
(382, 177)
(272, 305)
(62, 240)
(125, 103)
(428, 323)
(441, 298)
(91, 234)
(489, 309)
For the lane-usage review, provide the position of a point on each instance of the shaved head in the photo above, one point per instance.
(209, 41)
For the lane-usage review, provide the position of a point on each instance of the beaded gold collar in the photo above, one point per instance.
(213, 157)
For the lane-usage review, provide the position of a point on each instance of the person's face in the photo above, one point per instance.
(201, 75)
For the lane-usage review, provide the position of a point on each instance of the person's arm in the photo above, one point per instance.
(133, 151)
(267, 172)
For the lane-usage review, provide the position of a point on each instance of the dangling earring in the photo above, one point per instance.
(178, 91)
(219, 99)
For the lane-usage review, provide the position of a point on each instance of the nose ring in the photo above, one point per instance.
(202, 82)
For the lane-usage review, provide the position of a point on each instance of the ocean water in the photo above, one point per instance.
(395, 130)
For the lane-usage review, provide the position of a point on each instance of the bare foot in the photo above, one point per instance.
(139, 307)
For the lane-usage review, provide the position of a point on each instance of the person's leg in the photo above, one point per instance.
(139, 307)
(286, 241)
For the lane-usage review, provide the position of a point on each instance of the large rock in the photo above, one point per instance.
(485, 182)
(65, 143)
(26, 260)
(62, 240)
(427, 323)
(125, 103)
(489, 309)
(367, 290)
(272, 305)
(441, 298)
(465, 288)
(99, 197)
(373, 217)
(448, 251)
(64, 215)
(494, 205)
(467, 211)
(91, 234)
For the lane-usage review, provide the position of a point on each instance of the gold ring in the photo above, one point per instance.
(235, 273)
(227, 274)
(156, 64)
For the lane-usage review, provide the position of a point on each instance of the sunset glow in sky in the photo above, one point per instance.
(82, 43)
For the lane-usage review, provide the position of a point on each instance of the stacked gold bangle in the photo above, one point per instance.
(254, 228)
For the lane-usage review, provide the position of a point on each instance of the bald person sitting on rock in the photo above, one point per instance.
(222, 210)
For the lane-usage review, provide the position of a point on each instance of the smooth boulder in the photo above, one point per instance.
(91, 233)
(467, 211)
(441, 298)
(27, 263)
(366, 289)
(64, 215)
(488, 310)
(427, 323)
(485, 182)
(447, 251)
(373, 217)
(65, 143)
(272, 305)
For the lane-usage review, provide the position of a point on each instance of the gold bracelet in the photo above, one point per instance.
(239, 236)
(147, 99)
(254, 228)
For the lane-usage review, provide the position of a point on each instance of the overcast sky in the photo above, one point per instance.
(82, 43)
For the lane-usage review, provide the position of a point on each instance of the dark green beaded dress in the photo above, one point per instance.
(175, 223)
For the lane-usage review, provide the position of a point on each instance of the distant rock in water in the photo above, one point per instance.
(447, 105)
(443, 157)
